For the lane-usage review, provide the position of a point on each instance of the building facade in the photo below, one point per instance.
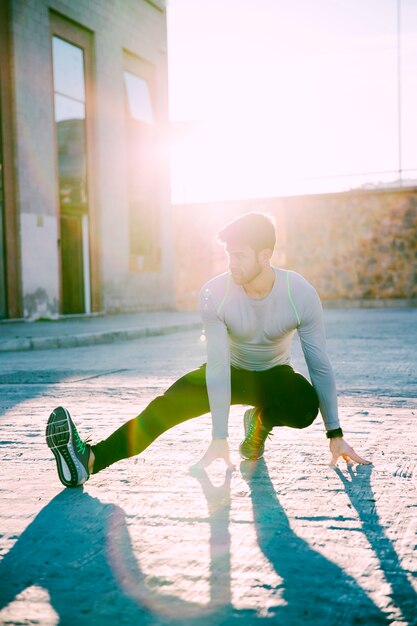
(84, 174)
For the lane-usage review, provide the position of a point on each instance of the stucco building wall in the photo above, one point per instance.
(137, 28)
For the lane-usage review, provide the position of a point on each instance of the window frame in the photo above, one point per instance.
(141, 68)
(78, 35)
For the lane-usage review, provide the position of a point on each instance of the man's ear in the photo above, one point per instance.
(264, 256)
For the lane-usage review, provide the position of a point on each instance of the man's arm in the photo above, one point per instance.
(217, 379)
(313, 343)
(218, 364)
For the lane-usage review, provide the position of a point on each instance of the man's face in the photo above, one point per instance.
(243, 263)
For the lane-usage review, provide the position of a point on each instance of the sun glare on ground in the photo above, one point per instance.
(271, 97)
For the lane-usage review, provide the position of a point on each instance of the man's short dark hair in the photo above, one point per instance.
(256, 230)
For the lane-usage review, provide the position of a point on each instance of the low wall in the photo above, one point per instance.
(359, 245)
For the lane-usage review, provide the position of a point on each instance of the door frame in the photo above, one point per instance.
(83, 38)
(11, 218)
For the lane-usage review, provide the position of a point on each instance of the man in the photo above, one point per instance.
(249, 315)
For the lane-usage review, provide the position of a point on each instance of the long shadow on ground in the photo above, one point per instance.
(64, 550)
(316, 591)
(359, 490)
(79, 550)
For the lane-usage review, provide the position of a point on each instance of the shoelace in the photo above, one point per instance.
(257, 434)
(81, 445)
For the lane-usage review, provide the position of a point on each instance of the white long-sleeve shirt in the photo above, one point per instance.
(256, 335)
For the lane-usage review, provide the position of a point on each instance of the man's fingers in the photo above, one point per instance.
(358, 459)
(201, 464)
(205, 461)
(209, 458)
(226, 459)
(350, 457)
(333, 462)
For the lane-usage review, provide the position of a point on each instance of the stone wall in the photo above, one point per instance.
(357, 245)
(352, 246)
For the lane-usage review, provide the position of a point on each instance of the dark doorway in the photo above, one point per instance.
(72, 265)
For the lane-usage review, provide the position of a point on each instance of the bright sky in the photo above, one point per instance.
(270, 96)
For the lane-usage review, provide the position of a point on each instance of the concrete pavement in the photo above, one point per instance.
(284, 541)
(71, 332)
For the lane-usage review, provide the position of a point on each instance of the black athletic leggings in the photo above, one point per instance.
(285, 398)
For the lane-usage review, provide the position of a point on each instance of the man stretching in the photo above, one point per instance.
(249, 316)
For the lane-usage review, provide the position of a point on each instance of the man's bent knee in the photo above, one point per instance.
(306, 419)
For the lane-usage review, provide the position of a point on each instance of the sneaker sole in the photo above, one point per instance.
(59, 440)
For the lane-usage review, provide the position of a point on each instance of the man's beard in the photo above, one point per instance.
(242, 278)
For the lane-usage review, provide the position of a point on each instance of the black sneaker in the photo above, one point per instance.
(71, 454)
(253, 445)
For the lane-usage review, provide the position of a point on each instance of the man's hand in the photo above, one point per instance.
(339, 447)
(218, 449)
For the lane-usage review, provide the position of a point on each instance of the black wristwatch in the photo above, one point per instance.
(336, 432)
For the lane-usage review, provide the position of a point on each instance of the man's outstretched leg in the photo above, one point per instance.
(77, 459)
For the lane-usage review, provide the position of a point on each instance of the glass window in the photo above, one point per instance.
(142, 191)
(68, 109)
(68, 61)
(138, 98)
(68, 69)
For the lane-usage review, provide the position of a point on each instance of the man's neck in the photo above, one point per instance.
(261, 286)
